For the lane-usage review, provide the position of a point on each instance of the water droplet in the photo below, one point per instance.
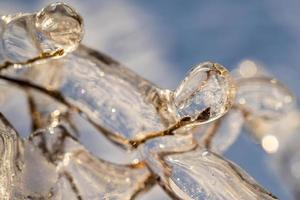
(207, 87)
(61, 26)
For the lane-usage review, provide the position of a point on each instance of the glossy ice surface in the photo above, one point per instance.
(29, 36)
(68, 85)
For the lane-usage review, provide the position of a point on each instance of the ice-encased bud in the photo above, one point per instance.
(54, 30)
(60, 25)
(208, 87)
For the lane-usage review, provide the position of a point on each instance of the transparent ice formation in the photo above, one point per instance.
(54, 30)
(70, 92)
(264, 96)
(122, 104)
(221, 134)
(265, 101)
(83, 176)
(52, 165)
(286, 161)
(201, 174)
(24, 172)
(207, 86)
(191, 172)
(111, 96)
(273, 118)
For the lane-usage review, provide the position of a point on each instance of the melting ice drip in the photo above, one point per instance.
(177, 134)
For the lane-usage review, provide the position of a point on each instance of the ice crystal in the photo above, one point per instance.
(173, 136)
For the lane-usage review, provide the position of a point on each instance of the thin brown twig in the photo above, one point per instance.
(42, 56)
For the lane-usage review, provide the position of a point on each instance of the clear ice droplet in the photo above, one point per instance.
(60, 25)
(25, 37)
(208, 87)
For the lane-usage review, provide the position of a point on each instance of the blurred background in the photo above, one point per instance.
(162, 40)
